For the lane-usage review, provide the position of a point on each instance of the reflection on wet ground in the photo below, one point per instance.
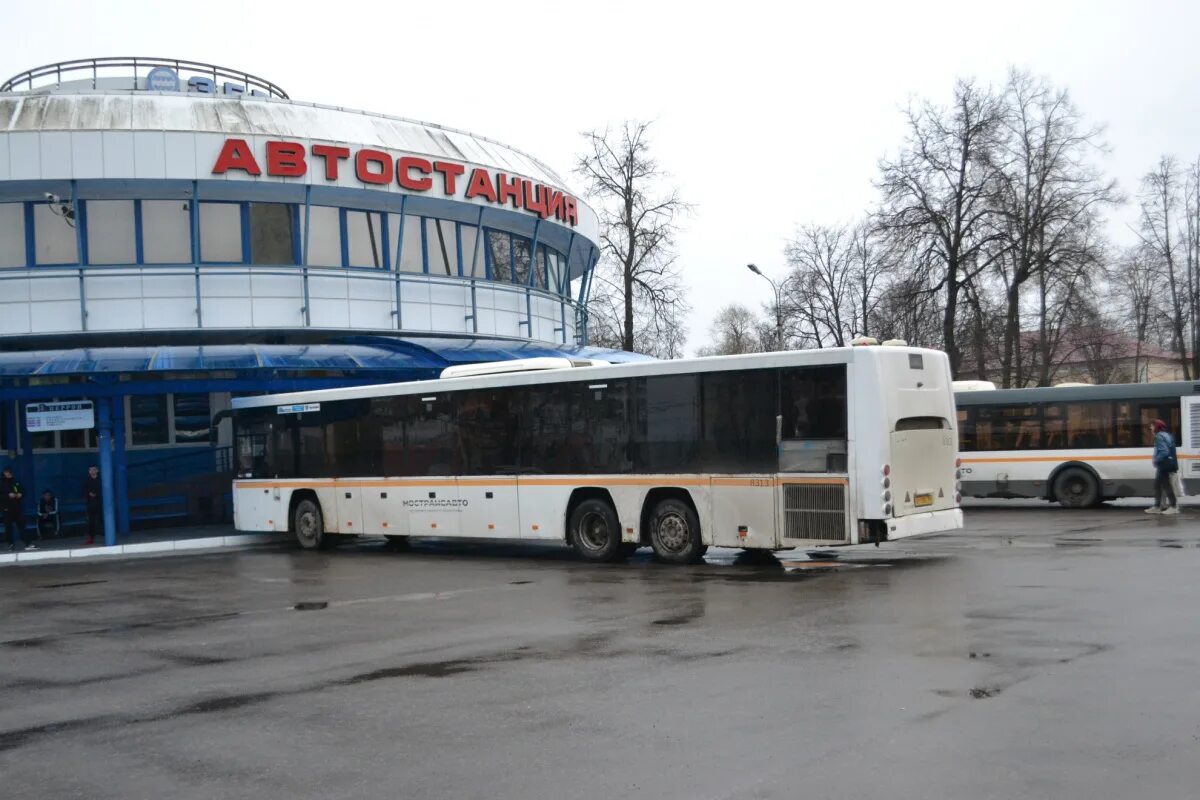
(1011, 659)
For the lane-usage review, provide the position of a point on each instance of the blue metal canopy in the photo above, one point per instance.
(360, 355)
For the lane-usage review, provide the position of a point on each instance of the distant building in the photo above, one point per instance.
(1096, 357)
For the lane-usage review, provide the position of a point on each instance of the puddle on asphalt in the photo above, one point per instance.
(314, 605)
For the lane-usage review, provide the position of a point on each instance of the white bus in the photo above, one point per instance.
(1078, 445)
(770, 451)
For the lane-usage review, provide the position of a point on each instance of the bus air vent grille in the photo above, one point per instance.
(814, 511)
(1194, 425)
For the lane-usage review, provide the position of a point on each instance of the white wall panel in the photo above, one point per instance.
(235, 285)
(4, 167)
(15, 318)
(114, 315)
(449, 294)
(487, 321)
(161, 286)
(14, 289)
(53, 316)
(508, 324)
(87, 154)
(226, 312)
(205, 149)
(274, 285)
(24, 156)
(53, 286)
(277, 312)
(448, 318)
(414, 291)
(108, 284)
(149, 154)
(371, 314)
(507, 300)
(329, 313)
(371, 286)
(56, 154)
(416, 317)
(180, 153)
(118, 154)
(166, 312)
(326, 286)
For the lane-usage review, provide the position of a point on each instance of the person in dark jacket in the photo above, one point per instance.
(48, 526)
(1165, 466)
(12, 495)
(93, 504)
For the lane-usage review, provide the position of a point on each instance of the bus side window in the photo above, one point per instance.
(966, 429)
(812, 402)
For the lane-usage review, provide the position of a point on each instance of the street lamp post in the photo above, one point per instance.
(778, 305)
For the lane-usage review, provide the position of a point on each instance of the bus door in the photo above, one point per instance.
(1189, 447)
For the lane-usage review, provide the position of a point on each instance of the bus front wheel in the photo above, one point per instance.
(309, 525)
(596, 531)
(1075, 487)
(675, 533)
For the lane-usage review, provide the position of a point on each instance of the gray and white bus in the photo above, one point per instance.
(1074, 444)
(768, 451)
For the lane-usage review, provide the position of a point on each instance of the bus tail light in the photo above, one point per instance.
(957, 498)
(957, 463)
(887, 509)
(887, 470)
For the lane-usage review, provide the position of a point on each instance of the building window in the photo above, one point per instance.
(520, 260)
(54, 235)
(324, 237)
(473, 262)
(221, 232)
(440, 239)
(166, 232)
(12, 235)
(111, 238)
(272, 236)
(411, 259)
(500, 255)
(364, 239)
(148, 419)
(192, 418)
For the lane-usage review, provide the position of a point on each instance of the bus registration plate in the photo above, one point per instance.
(923, 500)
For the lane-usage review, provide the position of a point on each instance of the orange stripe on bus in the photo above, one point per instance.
(666, 480)
(1053, 458)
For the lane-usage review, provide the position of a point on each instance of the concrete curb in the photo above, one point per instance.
(182, 546)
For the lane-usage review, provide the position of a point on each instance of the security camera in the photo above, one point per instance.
(51, 197)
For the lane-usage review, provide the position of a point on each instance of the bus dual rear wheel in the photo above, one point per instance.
(675, 533)
(596, 531)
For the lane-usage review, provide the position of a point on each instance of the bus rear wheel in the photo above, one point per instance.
(675, 533)
(595, 531)
(1075, 487)
(309, 525)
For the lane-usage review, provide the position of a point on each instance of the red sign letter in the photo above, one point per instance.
(332, 156)
(572, 216)
(481, 186)
(449, 173)
(286, 159)
(406, 164)
(236, 154)
(506, 190)
(379, 157)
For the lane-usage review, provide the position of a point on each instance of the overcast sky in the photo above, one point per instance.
(767, 117)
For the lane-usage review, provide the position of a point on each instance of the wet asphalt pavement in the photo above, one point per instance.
(1037, 654)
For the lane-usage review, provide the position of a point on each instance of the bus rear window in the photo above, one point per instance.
(921, 424)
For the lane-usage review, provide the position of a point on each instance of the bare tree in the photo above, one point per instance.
(1160, 205)
(818, 289)
(936, 194)
(1047, 191)
(736, 330)
(637, 277)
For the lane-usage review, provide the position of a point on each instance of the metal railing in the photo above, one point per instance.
(392, 286)
(136, 63)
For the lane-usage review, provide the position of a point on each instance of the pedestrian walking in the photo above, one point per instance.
(48, 524)
(12, 495)
(1166, 464)
(93, 504)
